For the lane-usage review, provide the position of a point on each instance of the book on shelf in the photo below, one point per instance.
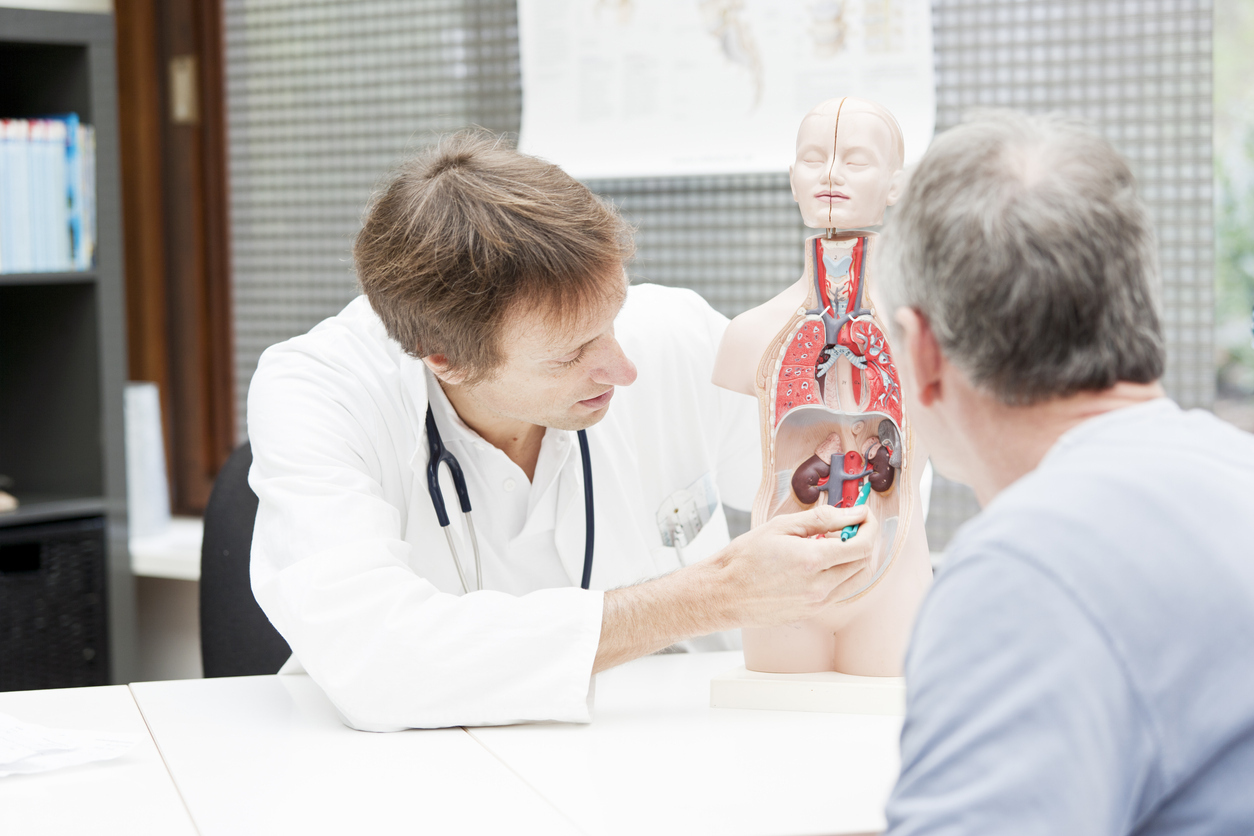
(47, 195)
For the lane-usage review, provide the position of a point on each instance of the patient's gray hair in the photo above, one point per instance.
(1022, 241)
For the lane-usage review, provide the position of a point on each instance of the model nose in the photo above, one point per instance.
(836, 174)
(825, 176)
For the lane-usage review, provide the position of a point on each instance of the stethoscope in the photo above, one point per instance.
(439, 455)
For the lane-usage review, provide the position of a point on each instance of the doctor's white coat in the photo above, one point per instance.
(348, 560)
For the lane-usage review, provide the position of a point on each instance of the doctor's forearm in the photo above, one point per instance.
(775, 574)
(643, 619)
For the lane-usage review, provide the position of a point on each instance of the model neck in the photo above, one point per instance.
(844, 254)
(832, 234)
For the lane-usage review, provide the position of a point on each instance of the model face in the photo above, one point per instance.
(844, 179)
(554, 376)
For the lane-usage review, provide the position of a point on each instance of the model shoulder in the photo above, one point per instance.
(748, 337)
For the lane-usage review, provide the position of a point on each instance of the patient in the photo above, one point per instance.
(1084, 663)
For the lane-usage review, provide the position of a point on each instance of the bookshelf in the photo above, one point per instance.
(67, 611)
(26, 279)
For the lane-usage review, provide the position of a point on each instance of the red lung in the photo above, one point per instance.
(797, 386)
(875, 388)
(864, 338)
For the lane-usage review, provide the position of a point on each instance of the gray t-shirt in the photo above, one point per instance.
(1084, 663)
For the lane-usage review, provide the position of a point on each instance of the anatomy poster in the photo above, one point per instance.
(632, 88)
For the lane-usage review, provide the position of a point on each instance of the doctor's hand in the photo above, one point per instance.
(778, 573)
(785, 570)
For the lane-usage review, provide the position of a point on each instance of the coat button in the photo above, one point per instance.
(508, 485)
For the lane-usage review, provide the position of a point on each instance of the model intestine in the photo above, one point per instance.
(833, 424)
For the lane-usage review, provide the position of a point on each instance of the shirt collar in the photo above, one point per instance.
(1097, 423)
(452, 427)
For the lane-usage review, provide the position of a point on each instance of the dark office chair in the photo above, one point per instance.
(236, 638)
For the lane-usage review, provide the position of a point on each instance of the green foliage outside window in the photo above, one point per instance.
(1234, 197)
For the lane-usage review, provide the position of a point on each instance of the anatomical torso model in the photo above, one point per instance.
(833, 429)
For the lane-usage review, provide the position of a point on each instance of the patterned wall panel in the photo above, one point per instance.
(1139, 71)
(736, 240)
(325, 96)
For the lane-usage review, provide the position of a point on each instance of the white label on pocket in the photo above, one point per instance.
(684, 513)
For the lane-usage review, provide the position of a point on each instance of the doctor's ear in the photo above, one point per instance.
(439, 366)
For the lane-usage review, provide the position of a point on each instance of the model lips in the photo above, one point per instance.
(832, 196)
(600, 400)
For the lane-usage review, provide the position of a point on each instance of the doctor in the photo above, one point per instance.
(496, 309)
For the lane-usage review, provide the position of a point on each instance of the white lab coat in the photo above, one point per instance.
(349, 562)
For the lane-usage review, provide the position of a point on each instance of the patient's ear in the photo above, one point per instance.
(924, 364)
(439, 366)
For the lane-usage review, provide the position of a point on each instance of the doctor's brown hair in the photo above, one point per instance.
(470, 231)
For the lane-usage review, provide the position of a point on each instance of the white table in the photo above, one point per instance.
(131, 794)
(269, 755)
(657, 759)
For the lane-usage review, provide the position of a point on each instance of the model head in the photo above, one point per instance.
(1022, 244)
(848, 167)
(469, 232)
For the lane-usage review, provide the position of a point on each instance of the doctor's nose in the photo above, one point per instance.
(613, 367)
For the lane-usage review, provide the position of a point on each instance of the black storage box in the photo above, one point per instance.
(52, 605)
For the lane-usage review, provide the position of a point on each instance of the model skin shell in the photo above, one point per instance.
(833, 422)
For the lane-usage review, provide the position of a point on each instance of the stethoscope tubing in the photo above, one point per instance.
(439, 454)
(589, 516)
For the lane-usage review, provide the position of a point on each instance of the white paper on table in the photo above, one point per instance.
(27, 747)
(641, 88)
